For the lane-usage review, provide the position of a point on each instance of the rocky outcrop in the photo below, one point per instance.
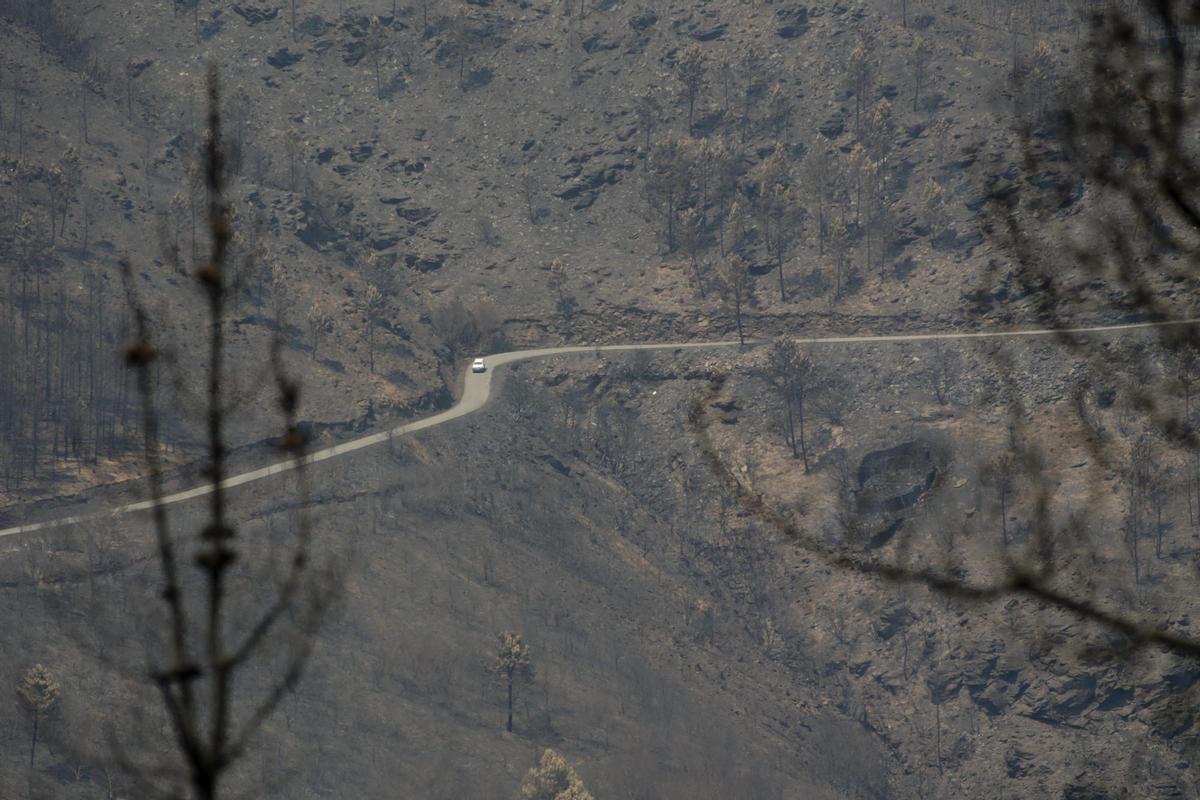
(793, 21)
(585, 178)
(255, 14)
(895, 478)
(284, 58)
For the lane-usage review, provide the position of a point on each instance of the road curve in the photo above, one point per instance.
(477, 391)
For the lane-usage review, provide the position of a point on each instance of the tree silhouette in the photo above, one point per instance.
(689, 70)
(512, 663)
(38, 691)
(791, 370)
(202, 655)
(734, 275)
(552, 779)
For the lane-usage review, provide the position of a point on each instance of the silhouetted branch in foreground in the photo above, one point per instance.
(211, 639)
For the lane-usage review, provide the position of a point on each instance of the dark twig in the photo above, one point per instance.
(210, 732)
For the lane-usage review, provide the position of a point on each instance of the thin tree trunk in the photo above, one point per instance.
(508, 727)
(791, 425)
(33, 740)
(803, 448)
(737, 306)
(938, 714)
(1004, 514)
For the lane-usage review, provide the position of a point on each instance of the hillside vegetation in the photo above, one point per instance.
(417, 182)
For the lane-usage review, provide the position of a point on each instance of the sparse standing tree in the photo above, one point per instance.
(689, 70)
(320, 324)
(39, 692)
(881, 130)
(86, 217)
(461, 32)
(791, 369)
(552, 779)
(195, 186)
(734, 232)
(753, 75)
(734, 275)
(933, 202)
(648, 111)
(280, 301)
(691, 234)
(1139, 481)
(512, 663)
(372, 311)
(557, 279)
(788, 216)
(293, 147)
(862, 72)
(727, 169)
(377, 45)
(943, 373)
(1000, 476)
(839, 246)
(779, 110)
(425, 4)
(528, 188)
(856, 167)
(665, 181)
(131, 72)
(817, 178)
(83, 112)
(940, 133)
(55, 188)
(921, 54)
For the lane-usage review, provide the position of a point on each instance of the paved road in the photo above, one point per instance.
(477, 391)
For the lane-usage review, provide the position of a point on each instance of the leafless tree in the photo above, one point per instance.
(528, 184)
(922, 53)
(689, 69)
(691, 236)
(862, 75)
(648, 111)
(791, 370)
(513, 664)
(203, 656)
(734, 275)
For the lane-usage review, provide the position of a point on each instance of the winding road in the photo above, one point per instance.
(477, 390)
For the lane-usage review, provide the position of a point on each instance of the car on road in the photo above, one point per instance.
(478, 366)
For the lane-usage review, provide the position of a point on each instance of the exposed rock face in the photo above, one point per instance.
(793, 21)
(1063, 704)
(254, 14)
(586, 178)
(284, 58)
(894, 479)
(312, 230)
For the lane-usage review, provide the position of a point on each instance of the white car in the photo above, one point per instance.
(478, 366)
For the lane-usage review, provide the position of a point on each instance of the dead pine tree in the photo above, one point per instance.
(690, 71)
(201, 655)
(38, 692)
(734, 275)
(791, 370)
(512, 663)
